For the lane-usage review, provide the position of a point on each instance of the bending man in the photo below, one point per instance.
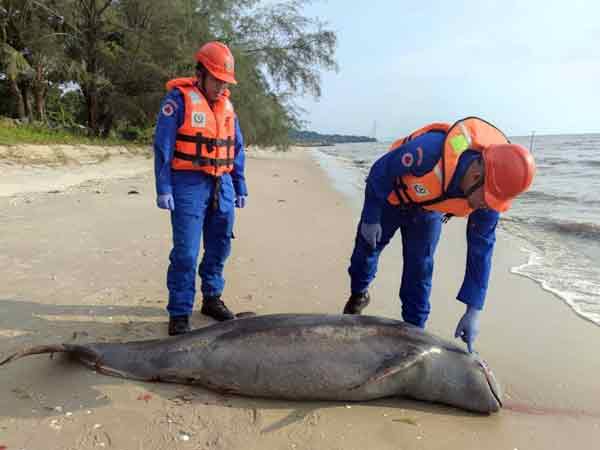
(467, 169)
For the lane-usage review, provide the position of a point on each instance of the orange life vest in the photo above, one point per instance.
(205, 140)
(430, 190)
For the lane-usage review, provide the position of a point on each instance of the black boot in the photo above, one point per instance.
(357, 302)
(215, 308)
(179, 325)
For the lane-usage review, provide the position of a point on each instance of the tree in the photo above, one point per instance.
(120, 53)
(289, 47)
(16, 69)
(278, 52)
(140, 57)
(90, 24)
(31, 34)
(287, 50)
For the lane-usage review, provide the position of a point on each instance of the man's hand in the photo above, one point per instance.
(240, 201)
(371, 232)
(165, 201)
(468, 327)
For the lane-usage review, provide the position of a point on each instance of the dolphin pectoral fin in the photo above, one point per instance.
(394, 364)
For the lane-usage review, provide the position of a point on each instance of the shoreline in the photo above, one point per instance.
(89, 264)
(345, 177)
(557, 293)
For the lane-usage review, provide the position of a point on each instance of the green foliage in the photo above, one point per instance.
(289, 47)
(13, 63)
(263, 117)
(121, 53)
(6, 108)
(137, 135)
(65, 110)
(39, 133)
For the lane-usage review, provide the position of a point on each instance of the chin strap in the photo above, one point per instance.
(475, 186)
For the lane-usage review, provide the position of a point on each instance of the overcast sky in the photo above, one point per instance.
(523, 65)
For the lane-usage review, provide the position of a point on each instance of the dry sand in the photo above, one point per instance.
(83, 255)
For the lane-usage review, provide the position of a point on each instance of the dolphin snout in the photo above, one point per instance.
(494, 386)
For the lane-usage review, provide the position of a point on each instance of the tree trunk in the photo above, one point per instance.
(91, 100)
(40, 104)
(19, 103)
(40, 88)
(28, 101)
(107, 123)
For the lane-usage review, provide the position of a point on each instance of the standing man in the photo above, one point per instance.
(467, 169)
(199, 169)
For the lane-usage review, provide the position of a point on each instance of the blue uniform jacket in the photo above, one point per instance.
(481, 226)
(169, 120)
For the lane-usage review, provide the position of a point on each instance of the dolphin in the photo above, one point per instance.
(303, 357)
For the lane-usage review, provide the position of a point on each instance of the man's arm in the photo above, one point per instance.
(169, 120)
(407, 159)
(481, 237)
(239, 163)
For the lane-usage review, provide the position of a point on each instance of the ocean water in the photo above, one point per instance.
(557, 222)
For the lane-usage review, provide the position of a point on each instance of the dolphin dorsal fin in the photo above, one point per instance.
(396, 363)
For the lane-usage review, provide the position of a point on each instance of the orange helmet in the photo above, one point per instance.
(509, 171)
(218, 60)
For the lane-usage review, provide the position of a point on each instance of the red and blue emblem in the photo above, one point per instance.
(168, 110)
(407, 159)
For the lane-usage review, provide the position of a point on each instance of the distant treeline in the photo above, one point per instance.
(315, 139)
(100, 66)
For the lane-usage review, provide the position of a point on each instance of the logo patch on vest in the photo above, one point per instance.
(421, 190)
(198, 119)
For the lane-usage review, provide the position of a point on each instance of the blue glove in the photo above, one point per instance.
(240, 201)
(468, 327)
(165, 201)
(371, 232)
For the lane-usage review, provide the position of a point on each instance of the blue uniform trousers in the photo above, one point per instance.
(193, 218)
(420, 231)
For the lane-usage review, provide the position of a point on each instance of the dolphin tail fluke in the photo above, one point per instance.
(85, 353)
(40, 349)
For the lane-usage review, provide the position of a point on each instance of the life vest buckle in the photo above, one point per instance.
(210, 146)
(198, 140)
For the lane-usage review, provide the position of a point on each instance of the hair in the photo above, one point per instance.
(200, 69)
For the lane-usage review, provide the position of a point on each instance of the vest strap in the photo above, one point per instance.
(400, 190)
(209, 142)
(201, 161)
(433, 201)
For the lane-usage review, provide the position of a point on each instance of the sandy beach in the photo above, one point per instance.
(83, 257)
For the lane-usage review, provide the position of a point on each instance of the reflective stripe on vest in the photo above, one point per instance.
(430, 190)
